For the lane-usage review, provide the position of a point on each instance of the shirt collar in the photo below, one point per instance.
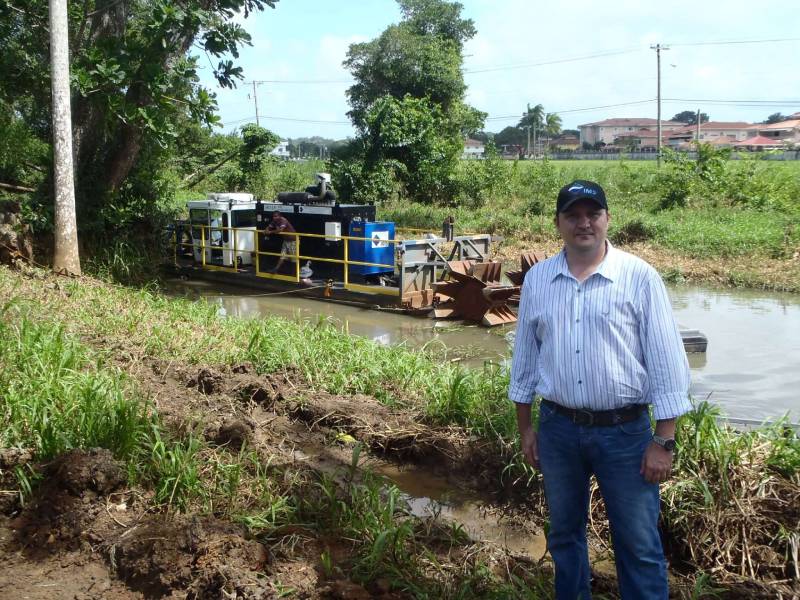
(608, 269)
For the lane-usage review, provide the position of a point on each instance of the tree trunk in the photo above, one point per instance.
(125, 156)
(66, 258)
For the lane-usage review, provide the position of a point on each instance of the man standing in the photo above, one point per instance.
(597, 341)
(280, 225)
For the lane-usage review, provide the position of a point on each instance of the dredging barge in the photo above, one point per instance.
(338, 252)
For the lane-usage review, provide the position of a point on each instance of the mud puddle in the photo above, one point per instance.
(431, 495)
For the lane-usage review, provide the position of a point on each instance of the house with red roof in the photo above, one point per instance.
(759, 143)
(608, 130)
(784, 133)
(735, 130)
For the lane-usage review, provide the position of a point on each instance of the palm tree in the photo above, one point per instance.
(552, 124)
(533, 117)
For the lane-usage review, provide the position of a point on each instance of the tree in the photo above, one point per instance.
(775, 118)
(552, 124)
(407, 103)
(690, 117)
(134, 86)
(510, 136)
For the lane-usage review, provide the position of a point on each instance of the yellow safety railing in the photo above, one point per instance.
(434, 231)
(297, 256)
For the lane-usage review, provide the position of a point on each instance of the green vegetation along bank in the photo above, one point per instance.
(151, 444)
(725, 222)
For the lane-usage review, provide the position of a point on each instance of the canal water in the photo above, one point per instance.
(751, 368)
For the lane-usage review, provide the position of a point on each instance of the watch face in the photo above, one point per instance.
(669, 445)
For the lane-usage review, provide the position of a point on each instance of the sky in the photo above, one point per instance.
(567, 55)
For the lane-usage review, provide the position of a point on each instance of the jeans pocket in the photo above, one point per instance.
(546, 412)
(638, 427)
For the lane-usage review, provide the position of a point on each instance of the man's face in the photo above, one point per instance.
(583, 226)
(276, 216)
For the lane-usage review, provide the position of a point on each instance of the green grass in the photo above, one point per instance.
(54, 398)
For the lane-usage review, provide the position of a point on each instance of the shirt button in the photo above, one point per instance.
(577, 351)
(580, 381)
(577, 320)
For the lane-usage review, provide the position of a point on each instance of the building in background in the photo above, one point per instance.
(281, 150)
(734, 130)
(610, 129)
(473, 149)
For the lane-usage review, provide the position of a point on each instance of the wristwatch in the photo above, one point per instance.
(667, 444)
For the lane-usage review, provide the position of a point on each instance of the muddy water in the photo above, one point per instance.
(428, 495)
(751, 368)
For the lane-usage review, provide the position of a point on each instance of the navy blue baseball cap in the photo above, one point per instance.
(580, 190)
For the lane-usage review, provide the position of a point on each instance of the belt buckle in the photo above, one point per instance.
(584, 417)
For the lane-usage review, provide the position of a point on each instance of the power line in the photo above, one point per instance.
(576, 110)
(498, 118)
(513, 66)
(729, 42)
(737, 102)
(552, 62)
(269, 117)
(301, 81)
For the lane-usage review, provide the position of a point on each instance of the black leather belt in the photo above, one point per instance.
(598, 418)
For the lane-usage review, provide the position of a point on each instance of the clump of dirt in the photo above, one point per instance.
(11, 458)
(96, 470)
(396, 434)
(234, 433)
(69, 501)
(205, 556)
(207, 381)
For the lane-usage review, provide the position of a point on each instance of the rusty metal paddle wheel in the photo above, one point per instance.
(474, 291)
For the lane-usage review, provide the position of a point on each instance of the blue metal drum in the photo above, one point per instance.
(377, 249)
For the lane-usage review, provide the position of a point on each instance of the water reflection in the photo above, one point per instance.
(750, 369)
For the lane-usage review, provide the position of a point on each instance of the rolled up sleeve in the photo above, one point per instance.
(664, 356)
(525, 361)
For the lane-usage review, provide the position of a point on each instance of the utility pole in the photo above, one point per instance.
(528, 148)
(66, 258)
(255, 100)
(698, 127)
(658, 48)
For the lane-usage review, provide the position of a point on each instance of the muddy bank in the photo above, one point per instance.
(84, 533)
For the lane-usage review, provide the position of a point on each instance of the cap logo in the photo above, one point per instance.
(586, 190)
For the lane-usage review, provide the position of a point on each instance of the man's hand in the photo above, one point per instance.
(529, 442)
(656, 463)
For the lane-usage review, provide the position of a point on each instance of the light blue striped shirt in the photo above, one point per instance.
(604, 343)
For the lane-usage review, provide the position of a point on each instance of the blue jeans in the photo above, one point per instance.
(569, 454)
